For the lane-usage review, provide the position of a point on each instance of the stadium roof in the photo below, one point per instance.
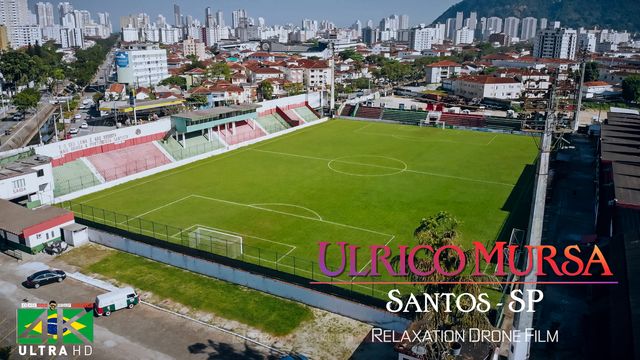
(216, 112)
(621, 145)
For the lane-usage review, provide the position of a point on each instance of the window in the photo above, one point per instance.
(47, 236)
(40, 173)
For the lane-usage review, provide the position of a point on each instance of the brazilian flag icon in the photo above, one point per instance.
(43, 326)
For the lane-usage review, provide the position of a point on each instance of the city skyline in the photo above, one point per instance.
(419, 11)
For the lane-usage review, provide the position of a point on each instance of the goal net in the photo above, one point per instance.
(217, 242)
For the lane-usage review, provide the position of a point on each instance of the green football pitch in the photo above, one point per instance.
(360, 182)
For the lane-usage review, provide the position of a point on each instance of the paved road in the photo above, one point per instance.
(140, 333)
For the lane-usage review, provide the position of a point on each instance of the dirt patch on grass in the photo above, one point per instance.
(83, 256)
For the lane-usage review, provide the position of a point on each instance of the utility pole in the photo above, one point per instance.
(583, 65)
(332, 101)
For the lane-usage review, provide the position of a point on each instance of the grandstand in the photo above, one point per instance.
(239, 132)
(405, 116)
(503, 123)
(466, 120)
(130, 160)
(273, 123)
(347, 110)
(306, 113)
(73, 176)
(195, 145)
(290, 116)
(369, 112)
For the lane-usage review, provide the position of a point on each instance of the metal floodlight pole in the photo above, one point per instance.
(576, 120)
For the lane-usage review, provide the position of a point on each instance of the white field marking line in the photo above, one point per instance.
(362, 128)
(377, 252)
(293, 215)
(490, 141)
(391, 168)
(291, 205)
(341, 160)
(155, 209)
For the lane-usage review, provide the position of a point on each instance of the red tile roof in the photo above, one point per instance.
(116, 88)
(596, 83)
(488, 79)
(444, 63)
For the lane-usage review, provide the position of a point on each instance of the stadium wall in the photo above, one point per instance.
(269, 107)
(370, 315)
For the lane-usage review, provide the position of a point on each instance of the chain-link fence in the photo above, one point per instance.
(267, 258)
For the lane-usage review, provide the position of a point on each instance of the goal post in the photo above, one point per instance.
(217, 242)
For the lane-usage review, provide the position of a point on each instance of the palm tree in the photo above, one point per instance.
(437, 231)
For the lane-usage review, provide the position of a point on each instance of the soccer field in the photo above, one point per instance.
(360, 182)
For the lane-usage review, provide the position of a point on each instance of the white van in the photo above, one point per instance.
(115, 300)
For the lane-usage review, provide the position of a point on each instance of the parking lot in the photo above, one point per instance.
(141, 333)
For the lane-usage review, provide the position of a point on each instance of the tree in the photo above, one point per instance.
(265, 89)
(631, 88)
(293, 88)
(438, 231)
(175, 80)
(591, 71)
(198, 100)
(18, 68)
(27, 99)
(351, 54)
(219, 70)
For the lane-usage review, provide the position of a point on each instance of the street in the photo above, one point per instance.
(140, 333)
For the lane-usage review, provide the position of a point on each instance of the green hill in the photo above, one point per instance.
(614, 14)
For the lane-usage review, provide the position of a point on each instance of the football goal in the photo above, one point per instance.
(215, 241)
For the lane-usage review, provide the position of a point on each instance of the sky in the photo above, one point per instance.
(341, 12)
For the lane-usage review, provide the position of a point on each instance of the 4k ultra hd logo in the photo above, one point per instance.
(54, 329)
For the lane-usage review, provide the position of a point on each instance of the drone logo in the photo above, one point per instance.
(53, 324)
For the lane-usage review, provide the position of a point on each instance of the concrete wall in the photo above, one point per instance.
(373, 316)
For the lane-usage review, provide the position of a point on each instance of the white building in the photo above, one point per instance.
(71, 38)
(529, 28)
(29, 179)
(142, 65)
(556, 43)
(486, 86)
(494, 26)
(587, 41)
(464, 36)
(44, 14)
(441, 70)
(422, 38)
(194, 47)
(511, 26)
(25, 35)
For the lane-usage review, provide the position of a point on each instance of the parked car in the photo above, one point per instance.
(73, 131)
(78, 116)
(18, 116)
(45, 277)
(109, 302)
(84, 125)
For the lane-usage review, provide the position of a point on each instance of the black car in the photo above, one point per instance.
(45, 277)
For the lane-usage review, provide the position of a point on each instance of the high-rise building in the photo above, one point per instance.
(459, 20)
(220, 18)
(236, 17)
(404, 22)
(422, 38)
(463, 36)
(587, 41)
(209, 20)
(177, 16)
(494, 25)
(528, 31)
(543, 23)
(370, 35)
(14, 13)
(450, 27)
(556, 43)
(472, 21)
(142, 65)
(44, 14)
(64, 8)
(511, 26)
